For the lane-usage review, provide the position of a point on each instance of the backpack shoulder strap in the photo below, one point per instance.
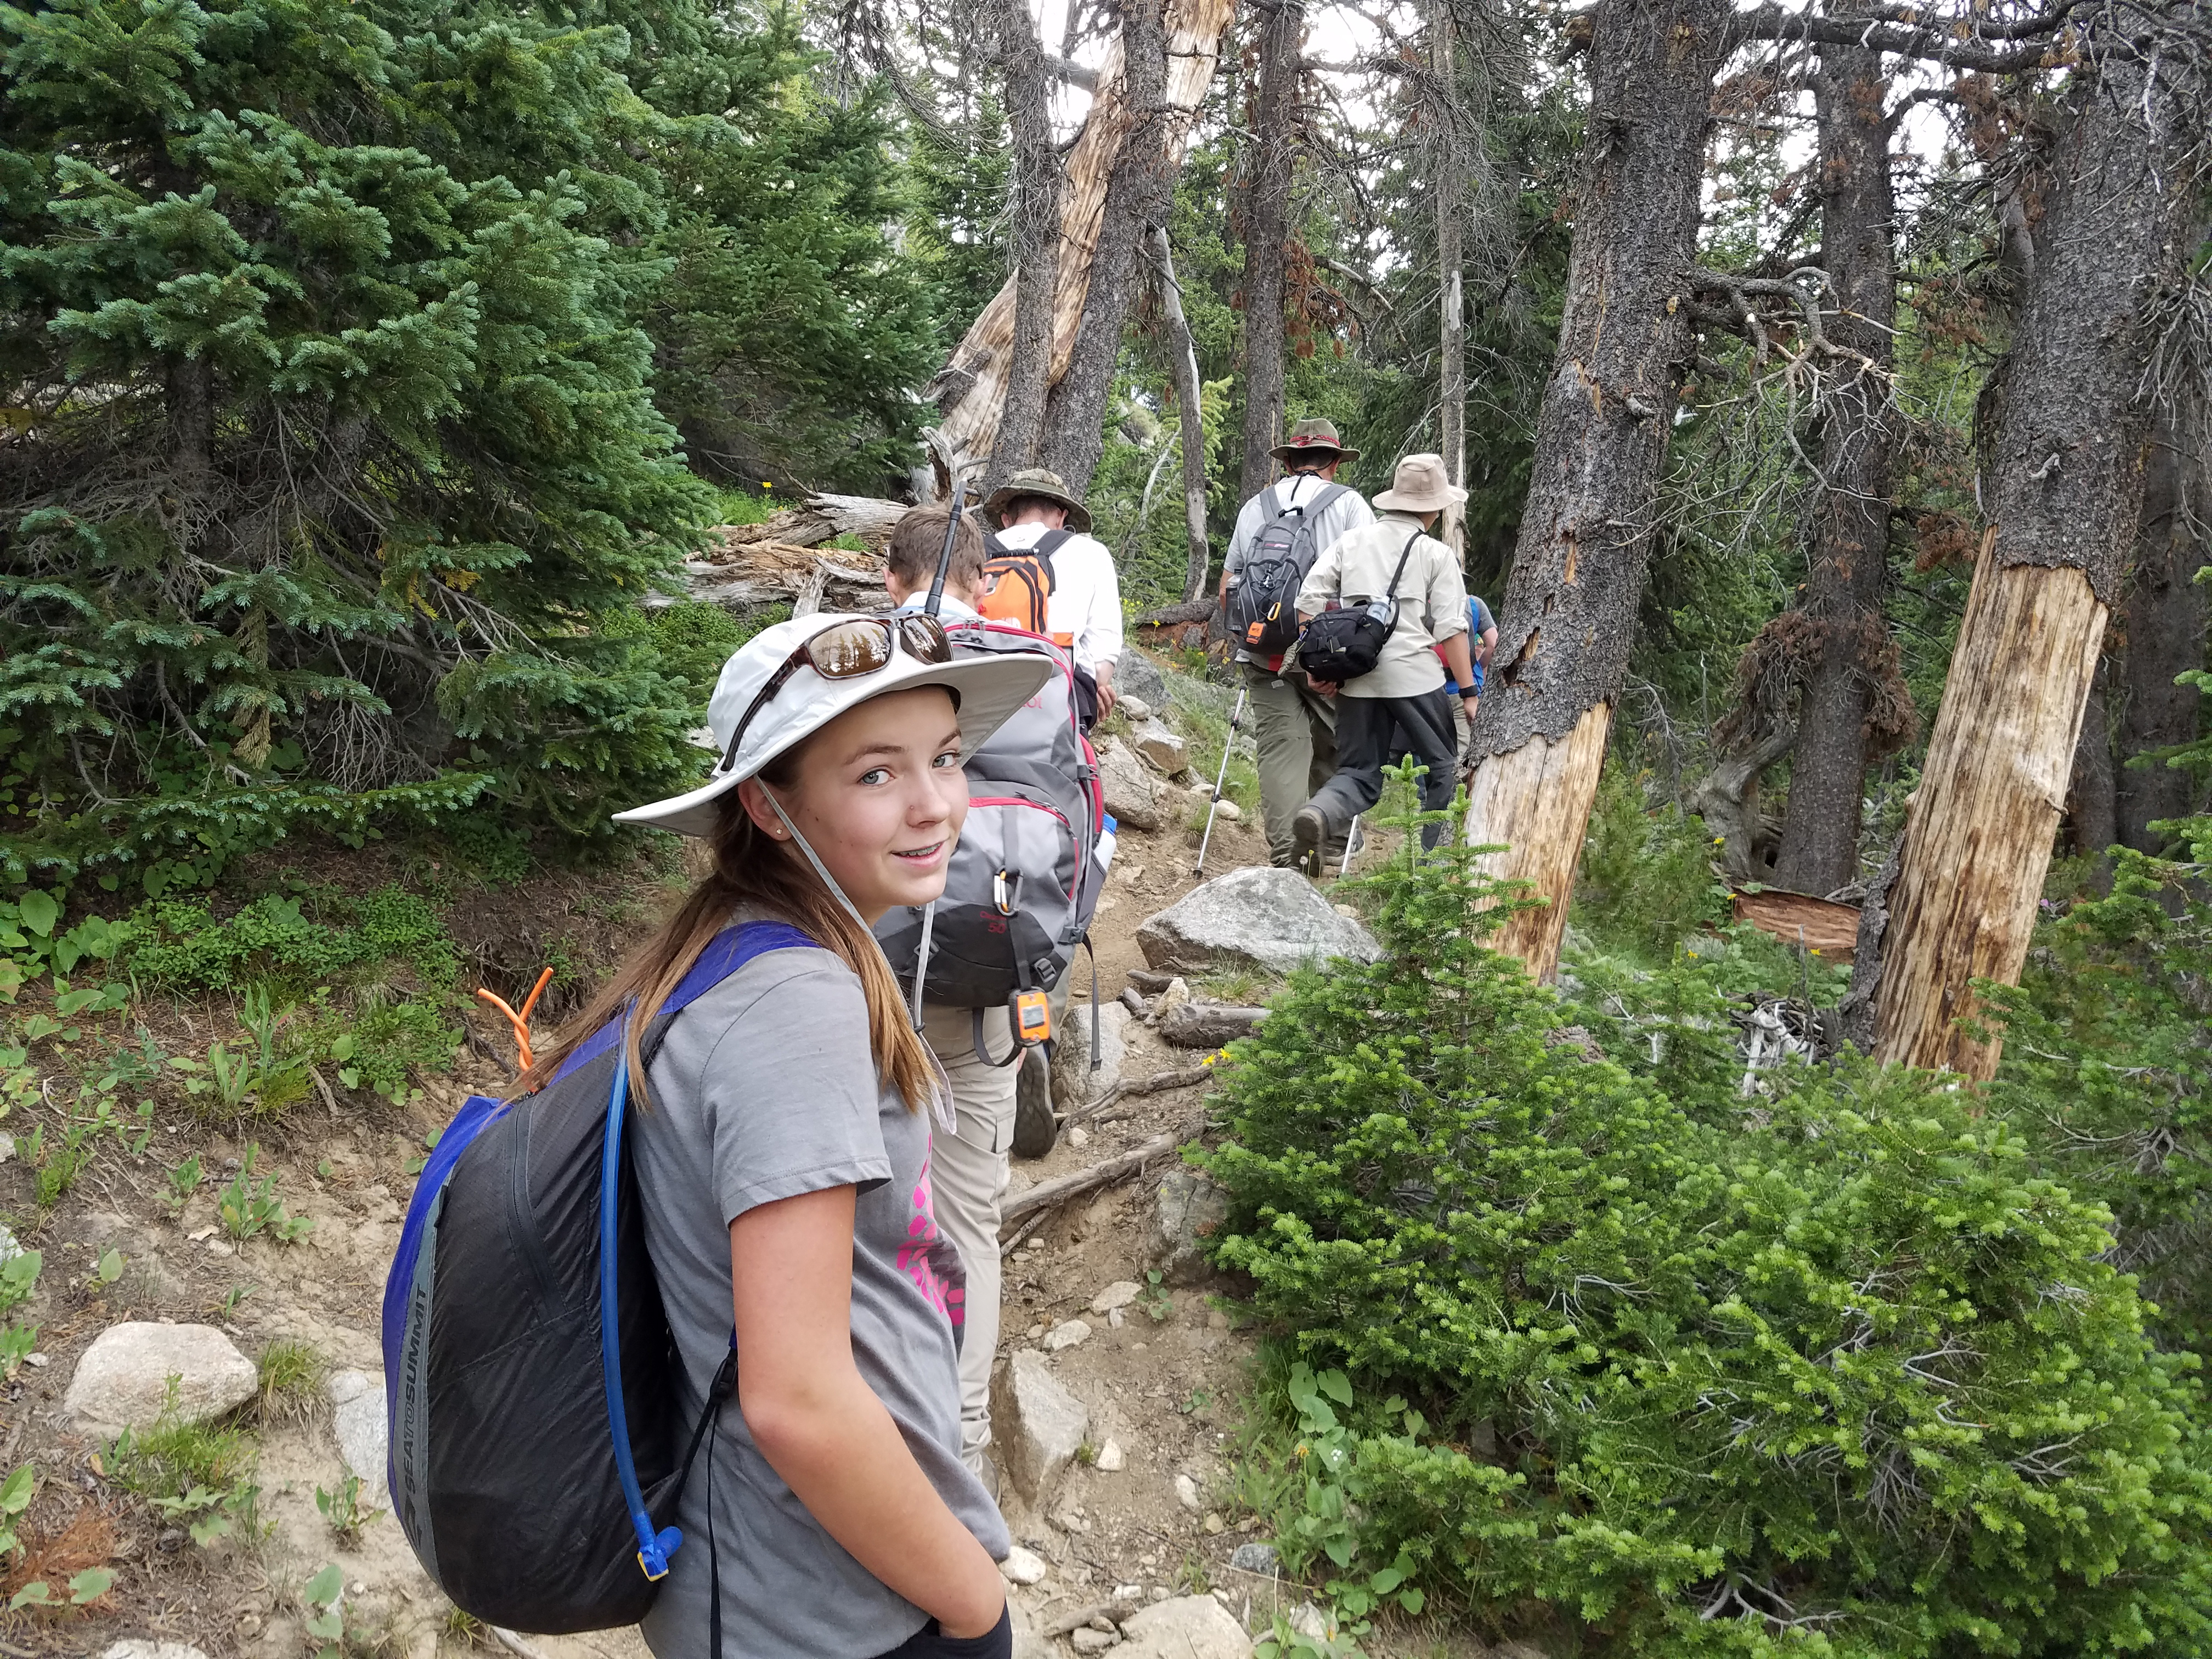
(1321, 502)
(1050, 543)
(993, 547)
(727, 951)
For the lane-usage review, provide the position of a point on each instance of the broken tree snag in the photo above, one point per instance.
(2066, 477)
(970, 390)
(1527, 798)
(1600, 436)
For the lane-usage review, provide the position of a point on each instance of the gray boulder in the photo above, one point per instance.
(1271, 920)
(1139, 676)
(1133, 793)
(1184, 1627)
(1073, 1082)
(122, 1380)
(1037, 1424)
(363, 1432)
(1161, 747)
(1187, 1209)
(1256, 1557)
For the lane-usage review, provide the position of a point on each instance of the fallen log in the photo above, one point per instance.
(818, 519)
(1046, 1193)
(1158, 1083)
(1207, 1024)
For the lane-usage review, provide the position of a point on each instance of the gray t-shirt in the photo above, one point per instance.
(766, 1088)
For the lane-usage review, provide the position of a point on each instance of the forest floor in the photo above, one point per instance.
(1167, 1385)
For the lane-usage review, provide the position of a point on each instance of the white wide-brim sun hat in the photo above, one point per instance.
(989, 689)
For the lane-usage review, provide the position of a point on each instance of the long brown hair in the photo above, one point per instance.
(753, 868)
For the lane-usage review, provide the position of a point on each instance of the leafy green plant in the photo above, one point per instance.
(19, 1281)
(106, 1270)
(184, 1180)
(342, 1512)
(1646, 883)
(1855, 1366)
(248, 1206)
(322, 1599)
(1158, 1301)
(198, 1475)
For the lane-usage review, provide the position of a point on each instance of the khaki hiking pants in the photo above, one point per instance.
(967, 1185)
(1294, 728)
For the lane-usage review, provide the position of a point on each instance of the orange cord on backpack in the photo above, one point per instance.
(521, 1021)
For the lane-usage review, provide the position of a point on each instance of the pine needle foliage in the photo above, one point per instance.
(328, 441)
(1844, 1375)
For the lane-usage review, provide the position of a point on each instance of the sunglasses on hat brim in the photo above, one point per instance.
(847, 652)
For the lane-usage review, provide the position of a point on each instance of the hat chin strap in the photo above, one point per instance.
(944, 1101)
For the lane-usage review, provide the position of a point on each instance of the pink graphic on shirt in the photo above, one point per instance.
(916, 1257)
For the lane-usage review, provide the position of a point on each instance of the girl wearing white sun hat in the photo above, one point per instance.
(783, 1156)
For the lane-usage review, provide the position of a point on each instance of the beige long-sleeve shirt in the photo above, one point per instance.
(1431, 596)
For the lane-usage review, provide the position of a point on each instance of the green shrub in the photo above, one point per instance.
(1848, 1376)
(179, 947)
(2108, 1067)
(695, 639)
(1645, 881)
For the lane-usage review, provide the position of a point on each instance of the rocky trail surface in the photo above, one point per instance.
(1121, 1372)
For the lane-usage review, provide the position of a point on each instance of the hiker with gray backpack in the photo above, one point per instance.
(1280, 533)
(674, 1336)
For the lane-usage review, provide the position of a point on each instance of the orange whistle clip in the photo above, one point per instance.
(521, 1021)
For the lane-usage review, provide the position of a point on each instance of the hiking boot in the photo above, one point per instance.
(1309, 832)
(1035, 1128)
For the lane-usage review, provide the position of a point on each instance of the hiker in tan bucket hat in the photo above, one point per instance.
(1396, 564)
(1280, 533)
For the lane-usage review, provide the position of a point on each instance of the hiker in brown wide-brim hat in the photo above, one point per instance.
(1313, 437)
(1045, 486)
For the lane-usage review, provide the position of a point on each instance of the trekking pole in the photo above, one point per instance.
(1236, 715)
(936, 599)
(1351, 837)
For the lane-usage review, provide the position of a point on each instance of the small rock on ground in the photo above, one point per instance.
(1188, 1210)
(1161, 747)
(1023, 1566)
(1037, 1423)
(1112, 1460)
(1184, 1627)
(1120, 1294)
(1065, 1334)
(1186, 1491)
(1133, 709)
(1092, 1641)
(1176, 994)
(1255, 1558)
(138, 1648)
(122, 1380)
(363, 1429)
(1073, 1082)
(1271, 920)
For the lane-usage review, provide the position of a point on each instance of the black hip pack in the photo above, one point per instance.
(1342, 645)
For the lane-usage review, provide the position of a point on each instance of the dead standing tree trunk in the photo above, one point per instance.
(1273, 154)
(1848, 555)
(1138, 193)
(1190, 417)
(2065, 494)
(1449, 183)
(1036, 212)
(1586, 530)
(970, 391)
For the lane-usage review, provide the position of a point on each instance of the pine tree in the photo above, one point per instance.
(329, 446)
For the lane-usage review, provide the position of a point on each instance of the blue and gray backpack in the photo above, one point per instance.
(536, 1449)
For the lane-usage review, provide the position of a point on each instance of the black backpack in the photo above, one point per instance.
(1263, 606)
(537, 1451)
(1342, 645)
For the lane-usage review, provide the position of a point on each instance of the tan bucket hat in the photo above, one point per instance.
(1310, 437)
(1421, 486)
(1040, 482)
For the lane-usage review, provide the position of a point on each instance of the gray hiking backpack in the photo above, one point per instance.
(1263, 606)
(1031, 860)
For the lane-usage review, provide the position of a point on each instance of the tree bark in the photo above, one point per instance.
(2091, 798)
(1848, 556)
(2165, 633)
(1190, 414)
(2065, 496)
(1267, 228)
(1138, 196)
(1586, 529)
(1450, 186)
(1038, 183)
(970, 390)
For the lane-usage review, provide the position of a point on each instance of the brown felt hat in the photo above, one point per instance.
(1421, 486)
(1313, 436)
(1045, 485)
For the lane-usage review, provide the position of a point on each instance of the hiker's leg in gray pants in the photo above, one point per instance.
(1293, 731)
(1367, 728)
(967, 1185)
